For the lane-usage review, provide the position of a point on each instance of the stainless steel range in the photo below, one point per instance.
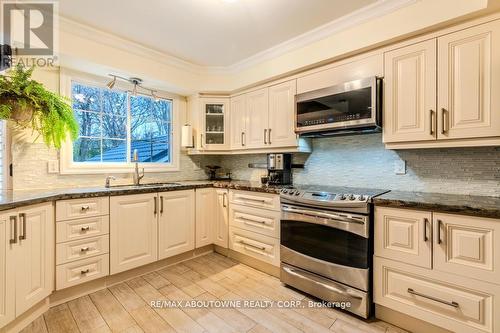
(327, 244)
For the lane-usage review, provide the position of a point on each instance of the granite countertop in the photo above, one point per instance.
(10, 199)
(446, 203)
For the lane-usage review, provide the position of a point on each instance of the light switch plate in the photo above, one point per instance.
(400, 167)
(53, 166)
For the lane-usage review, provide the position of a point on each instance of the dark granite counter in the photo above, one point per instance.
(19, 198)
(446, 203)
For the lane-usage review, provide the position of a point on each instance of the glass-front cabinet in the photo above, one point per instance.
(215, 123)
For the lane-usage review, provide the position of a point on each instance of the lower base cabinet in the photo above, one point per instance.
(26, 259)
(221, 222)
(255, 245)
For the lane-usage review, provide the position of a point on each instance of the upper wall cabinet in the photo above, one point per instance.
(214, 131)
(238, 121)
(282, 114)
(257, 106)
(441, 92)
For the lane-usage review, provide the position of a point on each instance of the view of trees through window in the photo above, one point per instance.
(114, 123)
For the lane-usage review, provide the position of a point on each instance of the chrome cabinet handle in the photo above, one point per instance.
(330, 216)
(87, 228)
(85, 249)
(426, 222)
(440, 223)
(265, 136)
(252, 199)
(13, 225)
(22, 219)
(83, 272)
(432, 298)
(269, 136)
(443, 121)
(224, 200)
(432, 116)
(262, 248)
(324, 285)
(85, 208)
(161, 204)
(250, 220)
(155, 205)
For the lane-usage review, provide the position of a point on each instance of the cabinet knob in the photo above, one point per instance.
(87, 228)
(85, 249)
(85, 208)
(83, 272)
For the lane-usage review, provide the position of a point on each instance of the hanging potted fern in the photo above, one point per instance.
(28, 104)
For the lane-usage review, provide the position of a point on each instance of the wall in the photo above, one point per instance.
(362, 161)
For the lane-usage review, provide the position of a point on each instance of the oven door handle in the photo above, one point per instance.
(324, 285)
(330, 216)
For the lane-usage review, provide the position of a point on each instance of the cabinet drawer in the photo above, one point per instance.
(78, 208)
(81, 228)
(81, 271)
(255, 245)
(403, 235)
(80, 249)
(255, 219)
(459, 304)
(255, 199)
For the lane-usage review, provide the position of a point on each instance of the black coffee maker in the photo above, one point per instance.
(279, 169)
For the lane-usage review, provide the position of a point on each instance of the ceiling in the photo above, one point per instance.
(209, 32)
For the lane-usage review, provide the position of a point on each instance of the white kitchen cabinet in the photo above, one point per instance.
(215, 131)
(176, 223)
(467, 246)
(26, 259)
(410, 93)
(205, 216)
(257, 109)
(238, 121)
(221, 231)
(281, 128)
(404, 235)
(133, 231)
(469, 81)
(7, 269)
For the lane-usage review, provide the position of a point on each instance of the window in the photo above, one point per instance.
(115, 123)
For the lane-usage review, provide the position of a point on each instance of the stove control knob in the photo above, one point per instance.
(297, 192)
(284, 191)
(351, 197)
(362, 198)
(342, 197)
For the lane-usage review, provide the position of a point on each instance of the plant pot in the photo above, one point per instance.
(21, 115)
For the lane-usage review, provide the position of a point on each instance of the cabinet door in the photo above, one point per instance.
(282, 115)
(238, 121)
(469, 82)
(35, 267)
(215, 122)
(221, 232)
(257, 119)
(133, 231)
(467, 246)
(176, 223)
(403, 235)
(410, 93)
(7, 270)
(205, 216)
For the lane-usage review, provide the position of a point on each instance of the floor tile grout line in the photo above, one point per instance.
(73, 316)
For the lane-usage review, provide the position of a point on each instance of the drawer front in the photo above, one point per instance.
(82, 228)
(255, 199)
(81, 271)
(467, 246)
(81, 249)
(255, 219)
(458, 304)
(78, 208)
(255, 245)
(404, 235)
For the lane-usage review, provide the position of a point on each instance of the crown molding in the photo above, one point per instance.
(377, 9)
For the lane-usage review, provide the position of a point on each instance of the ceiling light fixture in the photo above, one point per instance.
(137, 82)
(111, 83)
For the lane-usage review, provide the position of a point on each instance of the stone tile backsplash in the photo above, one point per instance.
(362, 161)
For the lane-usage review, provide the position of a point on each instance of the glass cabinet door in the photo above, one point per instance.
(215, 124)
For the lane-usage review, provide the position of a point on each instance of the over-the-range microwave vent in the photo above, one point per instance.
(342, 132)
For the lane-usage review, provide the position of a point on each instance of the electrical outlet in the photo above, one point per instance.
(400, 167)
(53, 166)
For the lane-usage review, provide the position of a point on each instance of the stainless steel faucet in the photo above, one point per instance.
(108, 179)
(137, 176)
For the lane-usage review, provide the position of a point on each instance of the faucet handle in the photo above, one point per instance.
(108, 179)
(142, 173)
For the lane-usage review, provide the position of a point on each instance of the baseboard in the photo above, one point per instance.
(406, 322)
(68, 294)
(252, 262)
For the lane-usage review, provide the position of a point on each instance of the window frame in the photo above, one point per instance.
(68, 166)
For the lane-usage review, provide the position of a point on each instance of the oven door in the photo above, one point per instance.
(333, 244)
(350, 105)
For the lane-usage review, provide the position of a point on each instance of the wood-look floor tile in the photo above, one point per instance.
(156, 280)
(133, 329)
(87, 316)
(115, 315)
(60, 320)
(36, 326)
(126, 296)
(150, 321)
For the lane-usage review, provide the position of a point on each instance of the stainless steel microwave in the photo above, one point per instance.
(351, 107)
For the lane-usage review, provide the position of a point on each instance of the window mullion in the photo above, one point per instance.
(129, 128)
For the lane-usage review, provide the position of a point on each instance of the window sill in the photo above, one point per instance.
(99, 168)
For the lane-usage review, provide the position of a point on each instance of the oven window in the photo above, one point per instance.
(346, 106)
(325, 243)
